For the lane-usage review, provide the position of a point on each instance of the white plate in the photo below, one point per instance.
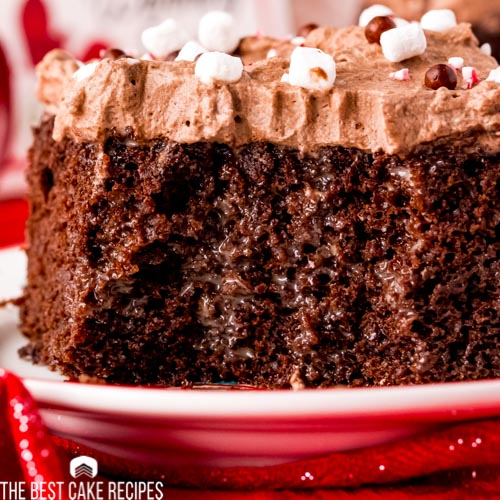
(227, 428)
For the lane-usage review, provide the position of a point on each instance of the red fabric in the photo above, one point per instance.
(422, 466)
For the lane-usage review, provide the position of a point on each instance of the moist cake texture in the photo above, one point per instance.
(266, 234)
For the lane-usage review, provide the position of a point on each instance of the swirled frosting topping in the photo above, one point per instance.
(365, 108)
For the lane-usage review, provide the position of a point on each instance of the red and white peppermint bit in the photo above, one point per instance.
(457, 63)
(403, 75)
(469, 74)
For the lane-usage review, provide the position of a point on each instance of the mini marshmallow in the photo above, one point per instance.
(85, 71)
(217, 32)
(456, 63)
(271, 53)
(494, 75)
(162, 40)
(374, 11)
(399, 21)
(285, 78)
(298, 40)
(212, 66)
(438, 20)
(190, 51)
(486, 49)
(312, 69)
(404, 42)
(403, 75)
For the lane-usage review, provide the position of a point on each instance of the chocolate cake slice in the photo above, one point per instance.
(266, 229)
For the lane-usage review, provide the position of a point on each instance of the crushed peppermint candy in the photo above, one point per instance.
(190, 51)
(486, 49)
(469, 74)
(494, 75)
(217, 31)
(457, 63)
(161, 40)
(404, 42)
(402, 75)
(312, 69)
(218, 66)
(85, 71)
(374, 11)
(438, 20)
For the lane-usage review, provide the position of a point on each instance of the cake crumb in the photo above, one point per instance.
(296, 383)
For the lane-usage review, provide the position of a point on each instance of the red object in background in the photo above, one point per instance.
(40, 37)
(5, 106)
(37, 30)
(13, 215)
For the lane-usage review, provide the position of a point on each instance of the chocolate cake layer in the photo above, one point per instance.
(167, 263)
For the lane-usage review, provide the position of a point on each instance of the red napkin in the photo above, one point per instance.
(461, 461)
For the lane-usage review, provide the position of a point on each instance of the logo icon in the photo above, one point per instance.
(83, 466)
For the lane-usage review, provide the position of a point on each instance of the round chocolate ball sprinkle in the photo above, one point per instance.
(441, 75)
(377, 26)
(306, 29)
(113, 54)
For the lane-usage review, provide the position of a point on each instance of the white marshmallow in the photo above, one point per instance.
(374, 11)
(190, 51)
(85, 71)
(146, 57)
(494, 75)
(399, 21)
(311, 68)
(217, 32)
(271, 53)
(456, 63)
(438, 20)
(298, 40)
(212, 66)
(285, 78)
(486, 49)
(404, 42)
(164, 39)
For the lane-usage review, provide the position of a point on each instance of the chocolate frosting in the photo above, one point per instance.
(365, 109)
